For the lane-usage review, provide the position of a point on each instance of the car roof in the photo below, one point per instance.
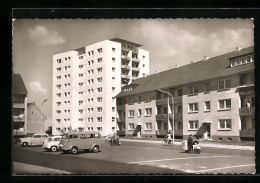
(40, 134)
(84, 132)
(56, 136)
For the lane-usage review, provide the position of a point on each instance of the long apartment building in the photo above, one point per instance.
(212, 99)
(86, 80)
(19, 106)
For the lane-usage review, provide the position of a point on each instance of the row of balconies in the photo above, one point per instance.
(19, 118)
(128, 58)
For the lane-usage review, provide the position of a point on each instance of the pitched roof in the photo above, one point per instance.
(33, 105)
(18, 85)
(214, 67)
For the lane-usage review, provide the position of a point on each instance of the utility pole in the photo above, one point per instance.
(41, 114)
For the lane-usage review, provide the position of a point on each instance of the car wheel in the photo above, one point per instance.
(53, 148)
(25, 144)
(95, 149)
(74, 150)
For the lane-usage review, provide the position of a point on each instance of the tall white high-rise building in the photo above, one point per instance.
(86, 80)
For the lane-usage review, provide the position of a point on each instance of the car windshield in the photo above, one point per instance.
(65, 136)
(50, 139)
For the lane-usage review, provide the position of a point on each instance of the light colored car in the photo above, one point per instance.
(36, 139)
(52, 143)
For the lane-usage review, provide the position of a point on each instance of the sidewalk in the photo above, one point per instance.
(202, 144)
(26, 169)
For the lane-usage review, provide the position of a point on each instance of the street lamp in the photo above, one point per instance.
(169, 112)
(41, 113)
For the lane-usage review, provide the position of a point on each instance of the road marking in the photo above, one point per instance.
(178, 159)
(221, 168)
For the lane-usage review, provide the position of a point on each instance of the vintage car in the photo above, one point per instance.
(36, 139)
(52, 143)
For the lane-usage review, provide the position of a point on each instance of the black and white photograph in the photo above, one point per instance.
(133, 96)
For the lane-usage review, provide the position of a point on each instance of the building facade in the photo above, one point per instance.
(86, 80)
(212, 99)
(35, 119)
(19, 106)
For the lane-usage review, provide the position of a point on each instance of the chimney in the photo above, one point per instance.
(206, 58)
(156, 72)
(237, 49)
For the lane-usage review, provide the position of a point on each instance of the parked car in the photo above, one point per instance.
(52, 143)
(76, 141)
(36, 139)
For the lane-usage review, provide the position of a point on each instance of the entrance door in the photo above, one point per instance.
(208, 130)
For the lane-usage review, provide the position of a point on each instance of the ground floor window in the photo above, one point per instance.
(193, 125)
(224, 124)
(148, 126)
(131, 126)
(99, 129)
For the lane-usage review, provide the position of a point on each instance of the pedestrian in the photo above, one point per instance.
(190, 142)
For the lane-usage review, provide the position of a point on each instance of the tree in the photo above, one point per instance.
(49, 130)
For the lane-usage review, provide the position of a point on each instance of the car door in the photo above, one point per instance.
(36, 139)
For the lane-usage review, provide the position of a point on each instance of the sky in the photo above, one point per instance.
(170, 42)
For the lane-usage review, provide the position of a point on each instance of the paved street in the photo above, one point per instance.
(136, 157)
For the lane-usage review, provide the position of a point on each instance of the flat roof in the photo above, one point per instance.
(125, 41)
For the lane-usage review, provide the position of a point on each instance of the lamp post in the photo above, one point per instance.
(169, 112)
(41, 113)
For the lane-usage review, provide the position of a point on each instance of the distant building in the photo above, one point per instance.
(210, 100)
(19, 106)
(86, 80)
(34, 118)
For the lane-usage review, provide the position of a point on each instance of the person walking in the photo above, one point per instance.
(190, 143)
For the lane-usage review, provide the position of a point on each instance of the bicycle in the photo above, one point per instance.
(165, 143)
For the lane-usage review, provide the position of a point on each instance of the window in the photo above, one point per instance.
(58, 111)
(99, 69)
(81, 84)
(224, 124)
(147, 97)
(113, 59)
(99, 99)
(224, 104)
(58, 94)
(99, 109)
(58, 77)
(207, 87)
(224, 84)
(139, 112)
(58, 86)
(81, 93)
(139, 99)
(99, 51)
(80, 111)
(99, 119)
(113, 119)
(99, 80)
(113, 109)
(113, 69)
(131, 113)
(113, 50)
(58, 103)
(58, 61)
(131, 126)
(193, 107)
(207, 106)
(81, 66)
(99, 60)
(113, 79)
(179, 92)
(58, 69)
(80, 75)
(148, 126)
(80, 119)
(193, 125)
(148, 111)
(113, 89)
(99, 129)
(99, 89)
(193, 89)
(58, 120)
(80, 102)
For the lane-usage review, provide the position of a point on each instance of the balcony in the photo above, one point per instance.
(18, 132)
(135, 69)
(247, 133)
(125, 57)
(120, 107)
(177, 115)
(246, 111)
(18, 105)
(161, 117)
(19, 118)
(125, 76)
(136, 60)
(246, 87)
(163, 101)
(120, 120)
(120, 132)
(125, 67)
